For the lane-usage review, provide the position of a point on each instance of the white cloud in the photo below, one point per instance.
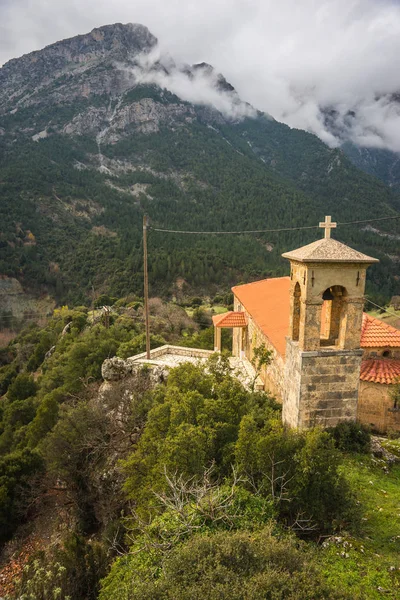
(200, 87)
(288, 58)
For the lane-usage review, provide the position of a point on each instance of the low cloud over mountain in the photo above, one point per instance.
(328, 66)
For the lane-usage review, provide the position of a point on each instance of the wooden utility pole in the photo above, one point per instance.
(146, 287)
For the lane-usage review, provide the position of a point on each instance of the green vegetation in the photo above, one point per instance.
(68, 228)
(195, 471)
(367, 564)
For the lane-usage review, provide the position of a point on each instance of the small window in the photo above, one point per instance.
(386, 354)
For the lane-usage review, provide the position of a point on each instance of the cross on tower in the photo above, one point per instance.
(328, 225)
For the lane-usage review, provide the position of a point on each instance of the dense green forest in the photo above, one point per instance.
(72, 219)
(187, 489)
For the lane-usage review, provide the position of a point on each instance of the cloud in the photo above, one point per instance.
(309, 63)
(200, 85)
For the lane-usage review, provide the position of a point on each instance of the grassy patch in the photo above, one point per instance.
(218, 310)
(368, 564)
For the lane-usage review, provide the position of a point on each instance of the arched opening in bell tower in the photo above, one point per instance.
(296, 313)
(332, 315)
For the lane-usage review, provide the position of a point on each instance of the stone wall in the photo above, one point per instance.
(176, 350)
(292, 384)
(251, 337)
(320, 387)
(375, 407)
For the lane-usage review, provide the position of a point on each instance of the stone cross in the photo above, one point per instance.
(328, 225)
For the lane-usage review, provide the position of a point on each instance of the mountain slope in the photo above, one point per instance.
(90, 139)
(379, 162)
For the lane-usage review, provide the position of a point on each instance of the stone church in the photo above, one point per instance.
(331, 362)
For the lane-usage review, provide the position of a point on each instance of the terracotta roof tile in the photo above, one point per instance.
(230, 319)
(380, 370)
(376, 333)
(268, 303)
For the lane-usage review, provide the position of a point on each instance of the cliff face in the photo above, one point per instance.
(61, 71)
(95, 76)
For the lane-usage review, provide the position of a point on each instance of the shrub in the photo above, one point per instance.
(300, 471)
(8, 373)
(45, 418)
(351, 437)
(221, 566)
(22, 387)
(194, 421)
(138, 344)
(64, 572)
(196, 301)
(17, 472)
(105, 300)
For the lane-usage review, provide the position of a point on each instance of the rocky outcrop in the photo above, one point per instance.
(117, 369)
(22, 79)
(144, 116)
(114, 369)
(379, 451)
(16, 301)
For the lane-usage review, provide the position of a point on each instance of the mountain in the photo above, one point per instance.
(380, 162)
(99, 129)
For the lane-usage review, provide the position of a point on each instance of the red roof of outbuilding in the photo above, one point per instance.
(377, 334)
(380, 370)
(230, 319)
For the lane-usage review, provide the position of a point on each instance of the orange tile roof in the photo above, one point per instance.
(376, 333)
(380, 370)
(230, 319)
(268, 303)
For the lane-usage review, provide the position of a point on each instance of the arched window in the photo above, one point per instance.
(296, 313)
(386, 354)
(332, 315)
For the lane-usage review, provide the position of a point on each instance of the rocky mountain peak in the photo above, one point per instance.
(221, 83)
(117, 41)
(22, 78)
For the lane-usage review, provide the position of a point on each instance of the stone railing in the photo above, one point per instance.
(175, 350)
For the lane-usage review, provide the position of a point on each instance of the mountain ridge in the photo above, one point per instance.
(87, 153)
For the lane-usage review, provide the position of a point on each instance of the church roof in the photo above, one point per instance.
(230, 319)
(376, 333)
(380, 370)
(268, 303)
(328, 250)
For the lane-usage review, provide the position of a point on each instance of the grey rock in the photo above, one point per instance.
(379, 451)
(22, 79)
(114, 369)
(156, 373)
(49, 352)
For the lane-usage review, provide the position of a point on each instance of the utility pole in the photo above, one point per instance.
(146, 287)
(93, 299)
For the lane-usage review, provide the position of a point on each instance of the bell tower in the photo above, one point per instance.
(323, 353)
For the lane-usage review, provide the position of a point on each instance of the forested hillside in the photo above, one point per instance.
(87, 147)
(187, 488)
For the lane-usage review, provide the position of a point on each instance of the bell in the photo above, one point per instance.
(327, 295)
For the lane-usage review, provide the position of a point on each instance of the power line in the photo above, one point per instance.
(268, 230)
(384, 309)
(25, 316)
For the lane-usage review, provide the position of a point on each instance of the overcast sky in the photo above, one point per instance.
(286, 57)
